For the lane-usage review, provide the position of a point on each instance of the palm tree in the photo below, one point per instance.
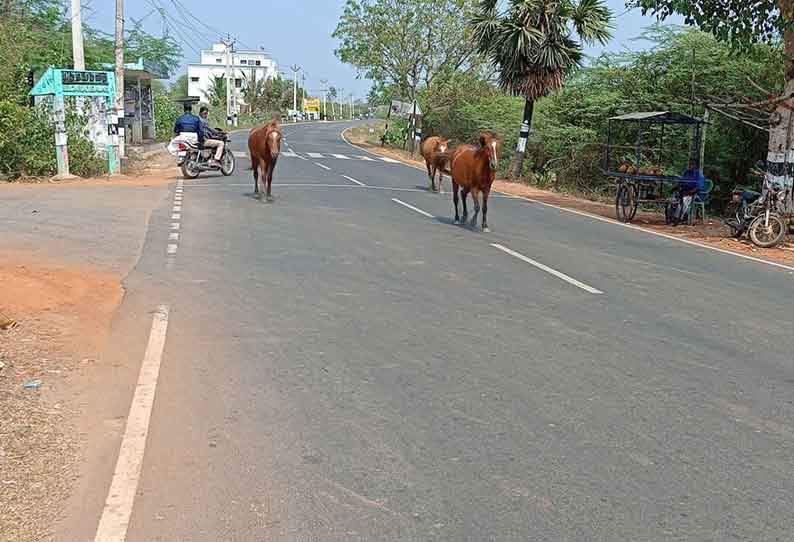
(534, 45)
(216, 91)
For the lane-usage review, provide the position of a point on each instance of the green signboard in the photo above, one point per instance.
(64, 83)
(67, 83)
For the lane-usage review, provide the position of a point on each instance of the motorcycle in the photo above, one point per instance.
(193, 159)
(758, 214)
(740, 211)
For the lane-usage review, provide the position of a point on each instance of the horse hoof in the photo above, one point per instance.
(269, 199)
(486, 229)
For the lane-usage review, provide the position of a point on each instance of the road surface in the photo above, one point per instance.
(347, 365)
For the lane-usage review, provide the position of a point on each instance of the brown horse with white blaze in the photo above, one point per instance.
(474, 170)
(264, 145)
(436, 155)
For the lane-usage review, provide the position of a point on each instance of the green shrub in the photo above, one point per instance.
(27, 143)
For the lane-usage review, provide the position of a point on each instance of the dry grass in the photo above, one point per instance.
(37, 444)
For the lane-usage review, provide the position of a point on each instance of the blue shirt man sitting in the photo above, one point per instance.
(189, 123)
(692, 180)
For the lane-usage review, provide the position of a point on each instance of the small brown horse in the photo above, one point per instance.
(474, 169)
(264, 145)
(436, 155)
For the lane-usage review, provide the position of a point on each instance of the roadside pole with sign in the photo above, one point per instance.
(61, 84)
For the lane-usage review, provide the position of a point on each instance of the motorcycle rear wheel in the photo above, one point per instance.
(768, 236)
(190, 169)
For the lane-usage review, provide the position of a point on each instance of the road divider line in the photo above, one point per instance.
(409, 206)
(176, 216)
(322, 166)
(174, 225)
(121, 496)
(352, 180)
(173, 236)
(547, 269)
(172, 248)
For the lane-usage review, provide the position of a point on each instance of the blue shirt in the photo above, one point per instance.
(691, 180)
(189, 123)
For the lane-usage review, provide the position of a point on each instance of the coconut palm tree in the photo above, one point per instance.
(215, 93)
(534, 45)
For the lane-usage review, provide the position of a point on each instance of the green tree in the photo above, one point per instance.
(743, 23)
(405, 43)
(215, 93)
(534, 46)
(180, 88)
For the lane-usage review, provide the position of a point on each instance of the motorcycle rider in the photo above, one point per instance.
(212, 138)
(188, 126)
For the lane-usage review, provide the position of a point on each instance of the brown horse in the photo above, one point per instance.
(474, 169)
(264, 145)
(436, 155)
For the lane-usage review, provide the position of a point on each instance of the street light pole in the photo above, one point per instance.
(295, 70)
(324, 83)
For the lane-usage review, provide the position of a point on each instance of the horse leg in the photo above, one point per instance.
(485, 194)
(464, 195)
(475, 195)
(270, 169)
(431, 174)
(455, 199)
(255, 168)
(440, 180)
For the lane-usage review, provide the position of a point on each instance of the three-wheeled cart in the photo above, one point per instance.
(646, 153)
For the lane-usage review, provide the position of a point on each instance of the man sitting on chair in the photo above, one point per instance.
(692, 182)
(212, 138)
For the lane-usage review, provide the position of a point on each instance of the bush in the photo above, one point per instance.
(27, 143)
(166, 111)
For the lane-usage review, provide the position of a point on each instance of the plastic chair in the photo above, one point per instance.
(699, 201)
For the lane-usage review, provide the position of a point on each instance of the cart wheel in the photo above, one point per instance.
(626, 202)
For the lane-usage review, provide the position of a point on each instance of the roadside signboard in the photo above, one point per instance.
(402, 109)
(311, 105)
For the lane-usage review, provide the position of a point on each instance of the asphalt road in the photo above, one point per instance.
(342, 367)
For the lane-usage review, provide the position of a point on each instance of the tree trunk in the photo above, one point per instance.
(780, 157)
(517, 167)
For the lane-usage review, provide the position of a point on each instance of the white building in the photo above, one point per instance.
(245, 66)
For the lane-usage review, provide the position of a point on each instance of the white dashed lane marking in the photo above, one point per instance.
(290, 153)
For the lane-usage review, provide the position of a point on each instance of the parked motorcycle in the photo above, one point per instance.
(758, 215)
(740, 211)
(193, 159)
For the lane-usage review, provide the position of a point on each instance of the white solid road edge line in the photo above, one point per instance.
(121, 495)
(322, 166)
(352, 180)
(656, 233)
(547, 269)
(408, 205)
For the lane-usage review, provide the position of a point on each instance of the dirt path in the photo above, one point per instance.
(713, 232)
(63, 314)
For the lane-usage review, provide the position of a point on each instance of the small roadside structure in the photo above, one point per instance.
(139, 119)
(646, 153)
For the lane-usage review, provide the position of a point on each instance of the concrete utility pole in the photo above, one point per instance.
(228, 43)
(324, 83)
(295, 70)
(119, 115)
(77, 36)
(352, 113)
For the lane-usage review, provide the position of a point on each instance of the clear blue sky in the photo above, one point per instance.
(292, 31)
